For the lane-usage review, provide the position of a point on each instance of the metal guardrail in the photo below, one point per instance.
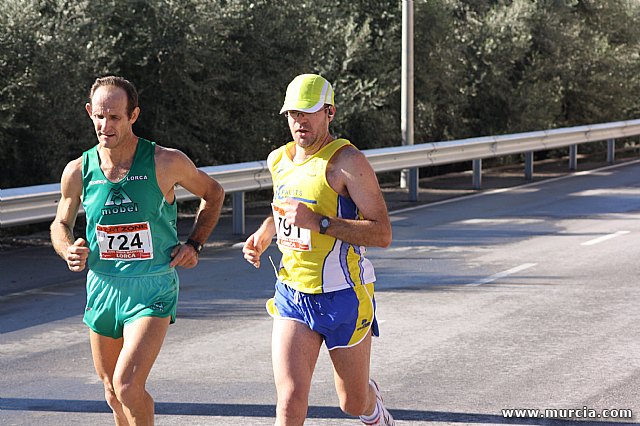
(438, 153)
(38, 203)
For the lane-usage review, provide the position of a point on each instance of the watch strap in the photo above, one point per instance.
(196, 245)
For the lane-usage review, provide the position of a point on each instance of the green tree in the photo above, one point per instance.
(212, 74)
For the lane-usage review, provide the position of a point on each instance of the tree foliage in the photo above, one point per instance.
(212, 74)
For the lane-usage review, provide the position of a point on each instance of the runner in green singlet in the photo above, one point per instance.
(132, 246)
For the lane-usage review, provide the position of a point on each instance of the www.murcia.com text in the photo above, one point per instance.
(567, 413)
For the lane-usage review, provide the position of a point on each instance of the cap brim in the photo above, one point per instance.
(302, 107)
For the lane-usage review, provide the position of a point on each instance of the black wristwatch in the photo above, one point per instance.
(193, 243)
(324, 224)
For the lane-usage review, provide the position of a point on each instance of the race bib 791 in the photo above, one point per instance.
(290, 236)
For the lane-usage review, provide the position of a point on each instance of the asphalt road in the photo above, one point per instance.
(523, 298)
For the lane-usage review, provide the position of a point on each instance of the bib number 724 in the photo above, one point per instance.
(124, 241)
(130, 241)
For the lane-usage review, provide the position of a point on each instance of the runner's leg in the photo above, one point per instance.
(351, 375)
(295, 350)
(105, 352)
(143, 339)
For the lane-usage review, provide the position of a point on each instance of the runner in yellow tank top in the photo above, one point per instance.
(313, 262)
(327, 207)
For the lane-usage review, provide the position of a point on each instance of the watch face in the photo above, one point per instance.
(324, 222)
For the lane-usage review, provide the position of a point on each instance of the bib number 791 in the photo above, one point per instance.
(288, 235)
(287, 229)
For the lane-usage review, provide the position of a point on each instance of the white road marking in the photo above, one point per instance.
(503, 274)
(397, 218)
(604, 238)
(633, 192)
(501, 221)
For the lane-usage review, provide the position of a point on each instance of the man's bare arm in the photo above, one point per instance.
(350, 175)
(73, 251)
(182, 171)
(259, 241)
(361, 184)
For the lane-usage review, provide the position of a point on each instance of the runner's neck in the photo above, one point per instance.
(302, 154)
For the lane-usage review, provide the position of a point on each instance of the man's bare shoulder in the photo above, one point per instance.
(170, 157)
(173, 166)
(71, 182)
(163, 152)
(73, 169)
(349, 157)
(349, 151)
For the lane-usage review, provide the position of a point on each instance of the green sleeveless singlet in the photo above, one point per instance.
(131, 229)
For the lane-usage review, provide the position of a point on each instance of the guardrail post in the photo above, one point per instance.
(413, 184)
(238, 213)
(528, 165)
(477, 173)
(573, 157)
(611, 151)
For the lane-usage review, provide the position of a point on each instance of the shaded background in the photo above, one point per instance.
(212, 74)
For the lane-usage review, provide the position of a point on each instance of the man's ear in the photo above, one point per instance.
(332, 111)
(134, 115)
(88, 108)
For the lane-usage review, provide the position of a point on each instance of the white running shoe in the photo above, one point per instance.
(384, 417)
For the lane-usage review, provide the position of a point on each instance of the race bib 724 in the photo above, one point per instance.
(131, 241)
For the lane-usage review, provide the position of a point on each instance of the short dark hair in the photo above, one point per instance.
(124, 84)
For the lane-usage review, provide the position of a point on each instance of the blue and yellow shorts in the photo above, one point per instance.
(113, 302)
(343, 318)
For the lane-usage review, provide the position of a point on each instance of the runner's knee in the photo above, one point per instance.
(129, 394)
(110, 396)
(354, 403)
(292, 407)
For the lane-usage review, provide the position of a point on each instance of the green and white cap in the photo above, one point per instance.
(308, 93)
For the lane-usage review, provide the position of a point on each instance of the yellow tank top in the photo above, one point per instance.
(312, 262)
